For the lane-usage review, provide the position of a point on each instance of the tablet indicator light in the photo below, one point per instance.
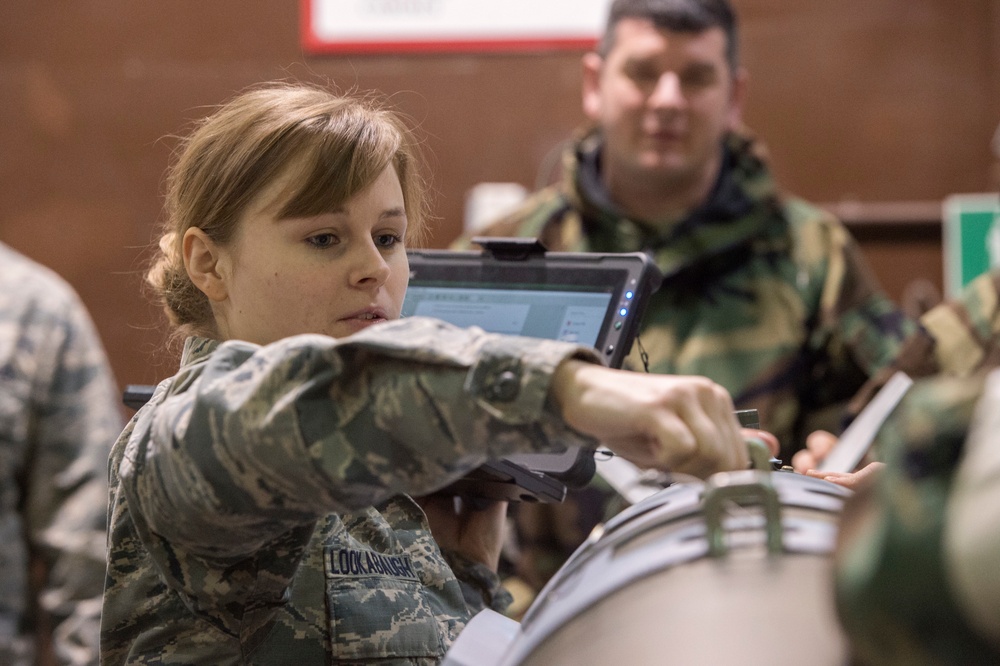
(623, 312)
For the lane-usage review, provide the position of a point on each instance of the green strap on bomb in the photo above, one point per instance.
(745, 487)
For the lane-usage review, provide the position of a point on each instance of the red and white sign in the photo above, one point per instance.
(393, 26)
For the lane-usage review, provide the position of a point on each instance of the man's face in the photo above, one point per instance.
(663, 100)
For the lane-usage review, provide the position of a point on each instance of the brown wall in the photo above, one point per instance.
(860, 100)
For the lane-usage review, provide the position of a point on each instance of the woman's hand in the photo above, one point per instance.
(819, 444)
(671, 423)
(477, 534)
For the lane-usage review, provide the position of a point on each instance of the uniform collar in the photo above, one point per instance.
(743, 206)
(197, 348)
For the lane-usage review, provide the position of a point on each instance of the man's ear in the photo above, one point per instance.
(592, 63)
(204, 264)
(738, 98)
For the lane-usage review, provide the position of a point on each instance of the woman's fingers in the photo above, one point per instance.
(711, 418)
(684, 424)
(692, 428)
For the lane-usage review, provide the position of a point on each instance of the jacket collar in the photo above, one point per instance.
(743, 206)
(196, 349)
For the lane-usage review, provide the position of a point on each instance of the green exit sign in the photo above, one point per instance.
(971, 238)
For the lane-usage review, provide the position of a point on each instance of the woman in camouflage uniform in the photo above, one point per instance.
(262, 505)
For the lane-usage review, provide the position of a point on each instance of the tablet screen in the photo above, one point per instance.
(538, 311)
(591, 299)
(517, 289)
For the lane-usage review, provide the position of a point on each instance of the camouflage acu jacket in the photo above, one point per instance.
(900, 597)
(957, 338)
(59, 416)
(260, 501)
(918, 554)
(763, 293)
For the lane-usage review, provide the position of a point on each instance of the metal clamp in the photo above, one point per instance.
(743, 487)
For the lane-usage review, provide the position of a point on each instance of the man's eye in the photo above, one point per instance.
(699, 77)
(322, 240)
(642, 74)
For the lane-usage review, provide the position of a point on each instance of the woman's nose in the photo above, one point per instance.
(369, 267)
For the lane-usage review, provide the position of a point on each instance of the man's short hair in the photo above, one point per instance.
(678, 16)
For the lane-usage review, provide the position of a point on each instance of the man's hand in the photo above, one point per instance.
(818, 447)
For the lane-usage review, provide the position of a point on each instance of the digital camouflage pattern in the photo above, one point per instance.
(916, 566)
(261, 509)
(58, 418)
(763, 293)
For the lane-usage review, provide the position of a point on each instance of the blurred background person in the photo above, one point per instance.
(839, 90)
(918, 545)
(59, 416)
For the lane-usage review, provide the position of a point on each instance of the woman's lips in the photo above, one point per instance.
(361, 319)
(367, 314)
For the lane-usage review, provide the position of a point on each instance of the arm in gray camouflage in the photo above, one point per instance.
(252, 440)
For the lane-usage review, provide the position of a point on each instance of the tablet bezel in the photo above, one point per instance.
(512, 262)
(630, 277)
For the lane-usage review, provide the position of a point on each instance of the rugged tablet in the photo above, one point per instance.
(514, 286)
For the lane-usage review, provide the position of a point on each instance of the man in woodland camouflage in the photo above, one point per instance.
(58, 419)
(763, 293)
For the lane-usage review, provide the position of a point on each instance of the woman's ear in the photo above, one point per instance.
(203, 262)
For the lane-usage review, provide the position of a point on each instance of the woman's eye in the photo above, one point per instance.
(322, 240)
(387, 240)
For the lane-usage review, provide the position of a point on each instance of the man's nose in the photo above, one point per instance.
(667, 92)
